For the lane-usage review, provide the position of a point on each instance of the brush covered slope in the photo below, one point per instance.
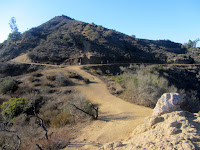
(63, 40)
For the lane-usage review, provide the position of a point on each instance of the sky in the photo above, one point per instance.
(175, 20)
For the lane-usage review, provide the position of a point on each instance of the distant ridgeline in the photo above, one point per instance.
(63, 40)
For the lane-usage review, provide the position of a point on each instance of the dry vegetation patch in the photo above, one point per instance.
(144, 84)
(50, 96)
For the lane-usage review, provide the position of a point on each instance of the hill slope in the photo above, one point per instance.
(65, 40)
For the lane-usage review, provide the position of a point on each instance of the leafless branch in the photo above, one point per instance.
(93, 116)
(39, 146)
(40, 122)
(96, 110)
(19, 140)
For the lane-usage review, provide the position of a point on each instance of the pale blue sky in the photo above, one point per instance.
(176, 20)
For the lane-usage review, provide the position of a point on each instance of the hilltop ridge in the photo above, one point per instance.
(68, 41)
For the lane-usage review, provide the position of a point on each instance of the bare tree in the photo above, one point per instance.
(4, 128)
(40, 122)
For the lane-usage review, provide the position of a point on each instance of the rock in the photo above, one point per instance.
(167, 103)
(111, 145)
(175, 130)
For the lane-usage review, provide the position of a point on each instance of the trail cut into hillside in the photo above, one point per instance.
(117, 118)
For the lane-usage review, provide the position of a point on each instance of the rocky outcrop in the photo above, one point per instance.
(167, 103)
(176, 130)
(168, 128)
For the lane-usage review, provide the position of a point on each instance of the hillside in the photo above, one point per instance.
(63, 40)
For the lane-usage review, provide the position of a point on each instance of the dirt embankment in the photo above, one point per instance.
(171, 131)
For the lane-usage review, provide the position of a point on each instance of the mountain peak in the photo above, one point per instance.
(59, 18)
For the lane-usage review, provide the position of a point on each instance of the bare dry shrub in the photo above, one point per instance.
(86, 80)
(57, 140)
(45, 90)
(49, 84)
(48, 115)
(34, 79)
(190, 100)
(8, 85)
(74, 75)
(36, 74)
(82, 103)
(54, 115)
(51, 77)
(27, 129)
(144, 86)
(62, 80)
(96, 72)
(9, 140)
(61, 119)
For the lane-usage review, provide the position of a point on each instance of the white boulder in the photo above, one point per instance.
(167, 103)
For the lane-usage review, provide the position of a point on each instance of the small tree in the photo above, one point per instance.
(15, 34)
(191, 44)
(13, 25)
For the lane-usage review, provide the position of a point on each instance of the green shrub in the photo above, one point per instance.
(13, 108)
(8, 85)
(119, 79)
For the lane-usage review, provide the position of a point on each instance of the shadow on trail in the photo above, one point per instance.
(83, 143)
(121, 116)
(92, 82)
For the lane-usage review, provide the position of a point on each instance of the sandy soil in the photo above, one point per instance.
(22, 59)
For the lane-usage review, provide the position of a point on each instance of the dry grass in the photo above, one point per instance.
(58, 139)
(144, 86)
(61, 119)
(50, 92)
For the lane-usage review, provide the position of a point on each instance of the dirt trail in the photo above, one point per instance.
(117, 118)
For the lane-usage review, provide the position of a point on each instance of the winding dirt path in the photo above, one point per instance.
(117, 118)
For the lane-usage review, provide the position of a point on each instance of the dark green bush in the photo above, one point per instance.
(8, 85)
(13, 108)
